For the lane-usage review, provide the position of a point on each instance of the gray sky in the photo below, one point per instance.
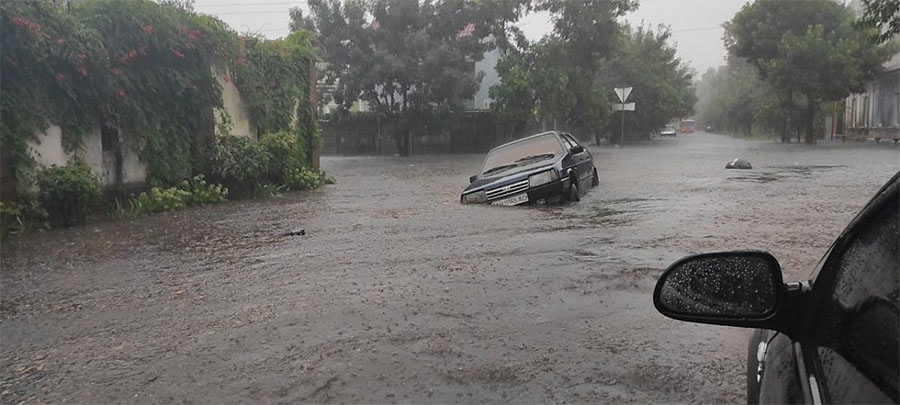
(696, 24)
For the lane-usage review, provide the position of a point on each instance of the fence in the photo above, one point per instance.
(462, 132)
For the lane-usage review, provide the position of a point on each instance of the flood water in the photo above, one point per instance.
(397, 293)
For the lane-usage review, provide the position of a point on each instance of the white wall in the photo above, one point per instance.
(231, 100)
(488, 66)
(48, 151)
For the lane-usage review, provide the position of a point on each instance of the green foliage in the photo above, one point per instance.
(269, 190)
(296, 178)
(810, 51)
(202, 193)
(406, 58)
(734, 98)
(189, 193)
(884, 16)
(568, 76)
(237, 163)
(663, 84)
(284, 151)
(53, 71)
(158, 200)
(23, 216)
(160, 81)
(146, 70)
(67, 193)
(272, 77)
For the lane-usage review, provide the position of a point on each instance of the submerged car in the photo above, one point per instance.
(832, 339)
(540, 169)
(668, 131)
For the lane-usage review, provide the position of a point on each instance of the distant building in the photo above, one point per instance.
(488, 66)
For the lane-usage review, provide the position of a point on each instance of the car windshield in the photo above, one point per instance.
(521, 152)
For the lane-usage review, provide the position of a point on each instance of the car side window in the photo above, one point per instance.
(855, 330)
(572, 139)
(567, 142)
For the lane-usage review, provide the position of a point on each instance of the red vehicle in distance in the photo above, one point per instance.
(688, 126)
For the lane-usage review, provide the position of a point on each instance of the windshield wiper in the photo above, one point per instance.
(542, 156)
(498, 169)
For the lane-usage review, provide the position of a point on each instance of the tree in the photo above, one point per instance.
(663, 85)
(884, 16)
(588, 32)
(758, 33)
(514, 97)
(407, 59)
(733, 98)
(825, 66)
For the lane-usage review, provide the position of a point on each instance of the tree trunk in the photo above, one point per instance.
(810, 121)
(785, 138)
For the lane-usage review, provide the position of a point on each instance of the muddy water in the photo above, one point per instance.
(399, 294)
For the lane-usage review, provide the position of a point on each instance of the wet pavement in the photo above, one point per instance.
(397, 293)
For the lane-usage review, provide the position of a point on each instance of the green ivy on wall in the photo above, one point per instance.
(145, 70)
(272, 78)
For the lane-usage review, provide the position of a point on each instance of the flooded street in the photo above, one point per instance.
(397, 293)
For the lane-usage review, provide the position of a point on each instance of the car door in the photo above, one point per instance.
(582, 160)
(849, 350)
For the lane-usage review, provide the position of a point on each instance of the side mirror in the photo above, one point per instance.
(576, 149)
(473, 178)
(742, 288)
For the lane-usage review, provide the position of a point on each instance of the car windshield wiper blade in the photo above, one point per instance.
(498, 168)
(542, 156)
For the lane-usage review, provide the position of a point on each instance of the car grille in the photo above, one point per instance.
(507, 190)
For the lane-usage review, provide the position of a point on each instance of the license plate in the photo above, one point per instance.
(514, 200)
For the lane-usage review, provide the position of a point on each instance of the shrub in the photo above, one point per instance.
(283, 152)
(22, 216)
(189, 193)
(302, 179)
(237, 163)
(269, 190)
(67, 193)
(202, 193)
(158, 200)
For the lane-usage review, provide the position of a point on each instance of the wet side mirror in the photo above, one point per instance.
(576, 149)
(473, 178)
(728, 288)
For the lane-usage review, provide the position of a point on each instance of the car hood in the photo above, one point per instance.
(511, 174)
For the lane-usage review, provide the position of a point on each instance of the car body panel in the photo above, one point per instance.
(797, 370)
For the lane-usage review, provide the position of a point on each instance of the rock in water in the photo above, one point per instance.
(738, 164)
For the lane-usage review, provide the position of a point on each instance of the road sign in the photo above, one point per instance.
(623, 107)
(623, 93)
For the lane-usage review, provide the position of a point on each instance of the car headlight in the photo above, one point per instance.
(474, 198)
(542, 178)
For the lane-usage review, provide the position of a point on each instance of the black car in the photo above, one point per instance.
(540, 169)
(832, 339)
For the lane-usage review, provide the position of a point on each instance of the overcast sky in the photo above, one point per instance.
(696, 24)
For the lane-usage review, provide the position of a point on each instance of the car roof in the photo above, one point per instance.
(557, 133)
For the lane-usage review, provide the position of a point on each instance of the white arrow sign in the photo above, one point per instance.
(623, 107)
(623, 93)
